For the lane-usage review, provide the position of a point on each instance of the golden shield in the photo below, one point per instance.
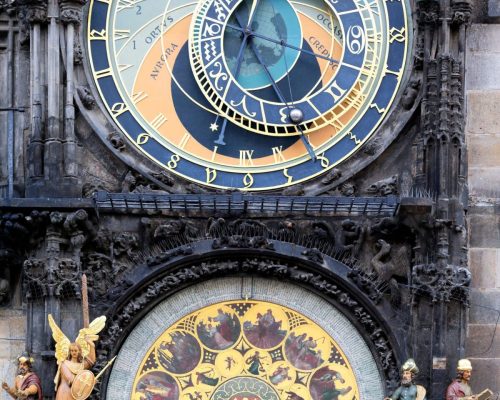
(83, 384)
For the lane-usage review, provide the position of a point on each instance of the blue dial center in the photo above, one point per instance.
(274, 19)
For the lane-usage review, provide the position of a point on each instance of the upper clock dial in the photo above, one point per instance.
(248, 94)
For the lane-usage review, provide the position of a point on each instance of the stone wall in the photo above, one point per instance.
(483, 137)
(12, 344)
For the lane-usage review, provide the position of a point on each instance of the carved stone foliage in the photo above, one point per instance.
(441, 283)
(53, 269)
(128, 313)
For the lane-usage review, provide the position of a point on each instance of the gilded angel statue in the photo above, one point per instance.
(74, 358)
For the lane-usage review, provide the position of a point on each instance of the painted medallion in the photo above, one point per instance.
(242, 350)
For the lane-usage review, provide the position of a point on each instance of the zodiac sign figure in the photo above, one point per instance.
(73, 359)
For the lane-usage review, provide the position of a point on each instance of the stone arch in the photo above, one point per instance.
(307, 269)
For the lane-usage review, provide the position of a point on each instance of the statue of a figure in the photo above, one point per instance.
(460, 389)
(408, 390)
(73, 358)
(27, 385)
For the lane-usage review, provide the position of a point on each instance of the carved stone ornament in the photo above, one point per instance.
(117, 141)
(71, 16)
(123, 317)
(440, 283)
(86, 97)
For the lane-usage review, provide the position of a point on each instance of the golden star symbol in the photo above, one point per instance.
(214, 127)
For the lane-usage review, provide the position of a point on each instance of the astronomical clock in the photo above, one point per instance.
(249, 95)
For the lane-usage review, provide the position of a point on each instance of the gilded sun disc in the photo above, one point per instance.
(218, 328)
(179, 352)
(265, 328)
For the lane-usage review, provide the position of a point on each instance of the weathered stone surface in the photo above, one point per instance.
(485, 231)
(484, 37)
(485, 267)
(479, 341)
(482, 106)
(484, 150)
(479, 66)
(484, 181)
(485, 374)
(484, 304)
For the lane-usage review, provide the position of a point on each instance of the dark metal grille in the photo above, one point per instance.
(242, 203)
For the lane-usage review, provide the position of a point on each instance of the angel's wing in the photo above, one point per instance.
(96, 326)
(62, 342)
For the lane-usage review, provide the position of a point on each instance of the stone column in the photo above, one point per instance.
(71, 15)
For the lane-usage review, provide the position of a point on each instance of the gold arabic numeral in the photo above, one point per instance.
(184, 140)
(118, 109)
(335, 91)
(138, 97)
(158, 121)
(278, 154)
(248, 180)
(378, 108)
(397, 35)
(142, 139)
(98, 35)
(325, 162)
(103, 73)
(174, 161)
(287, 175)
(211, 175)
(120, 34)
(214, 152)
(246, 158)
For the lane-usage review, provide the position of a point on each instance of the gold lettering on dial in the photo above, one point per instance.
(214, 152)
(325, 162)
(158, 121)
(118, 109)
(248, 180)
(397, 35)
(278, 154)
(336, 91)
(174, 160)
(184, 140)
(98, 35)
(142, 138)
(138, 97)
(285, 173)
(246, 157)
(211, 175)
(103, 73)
